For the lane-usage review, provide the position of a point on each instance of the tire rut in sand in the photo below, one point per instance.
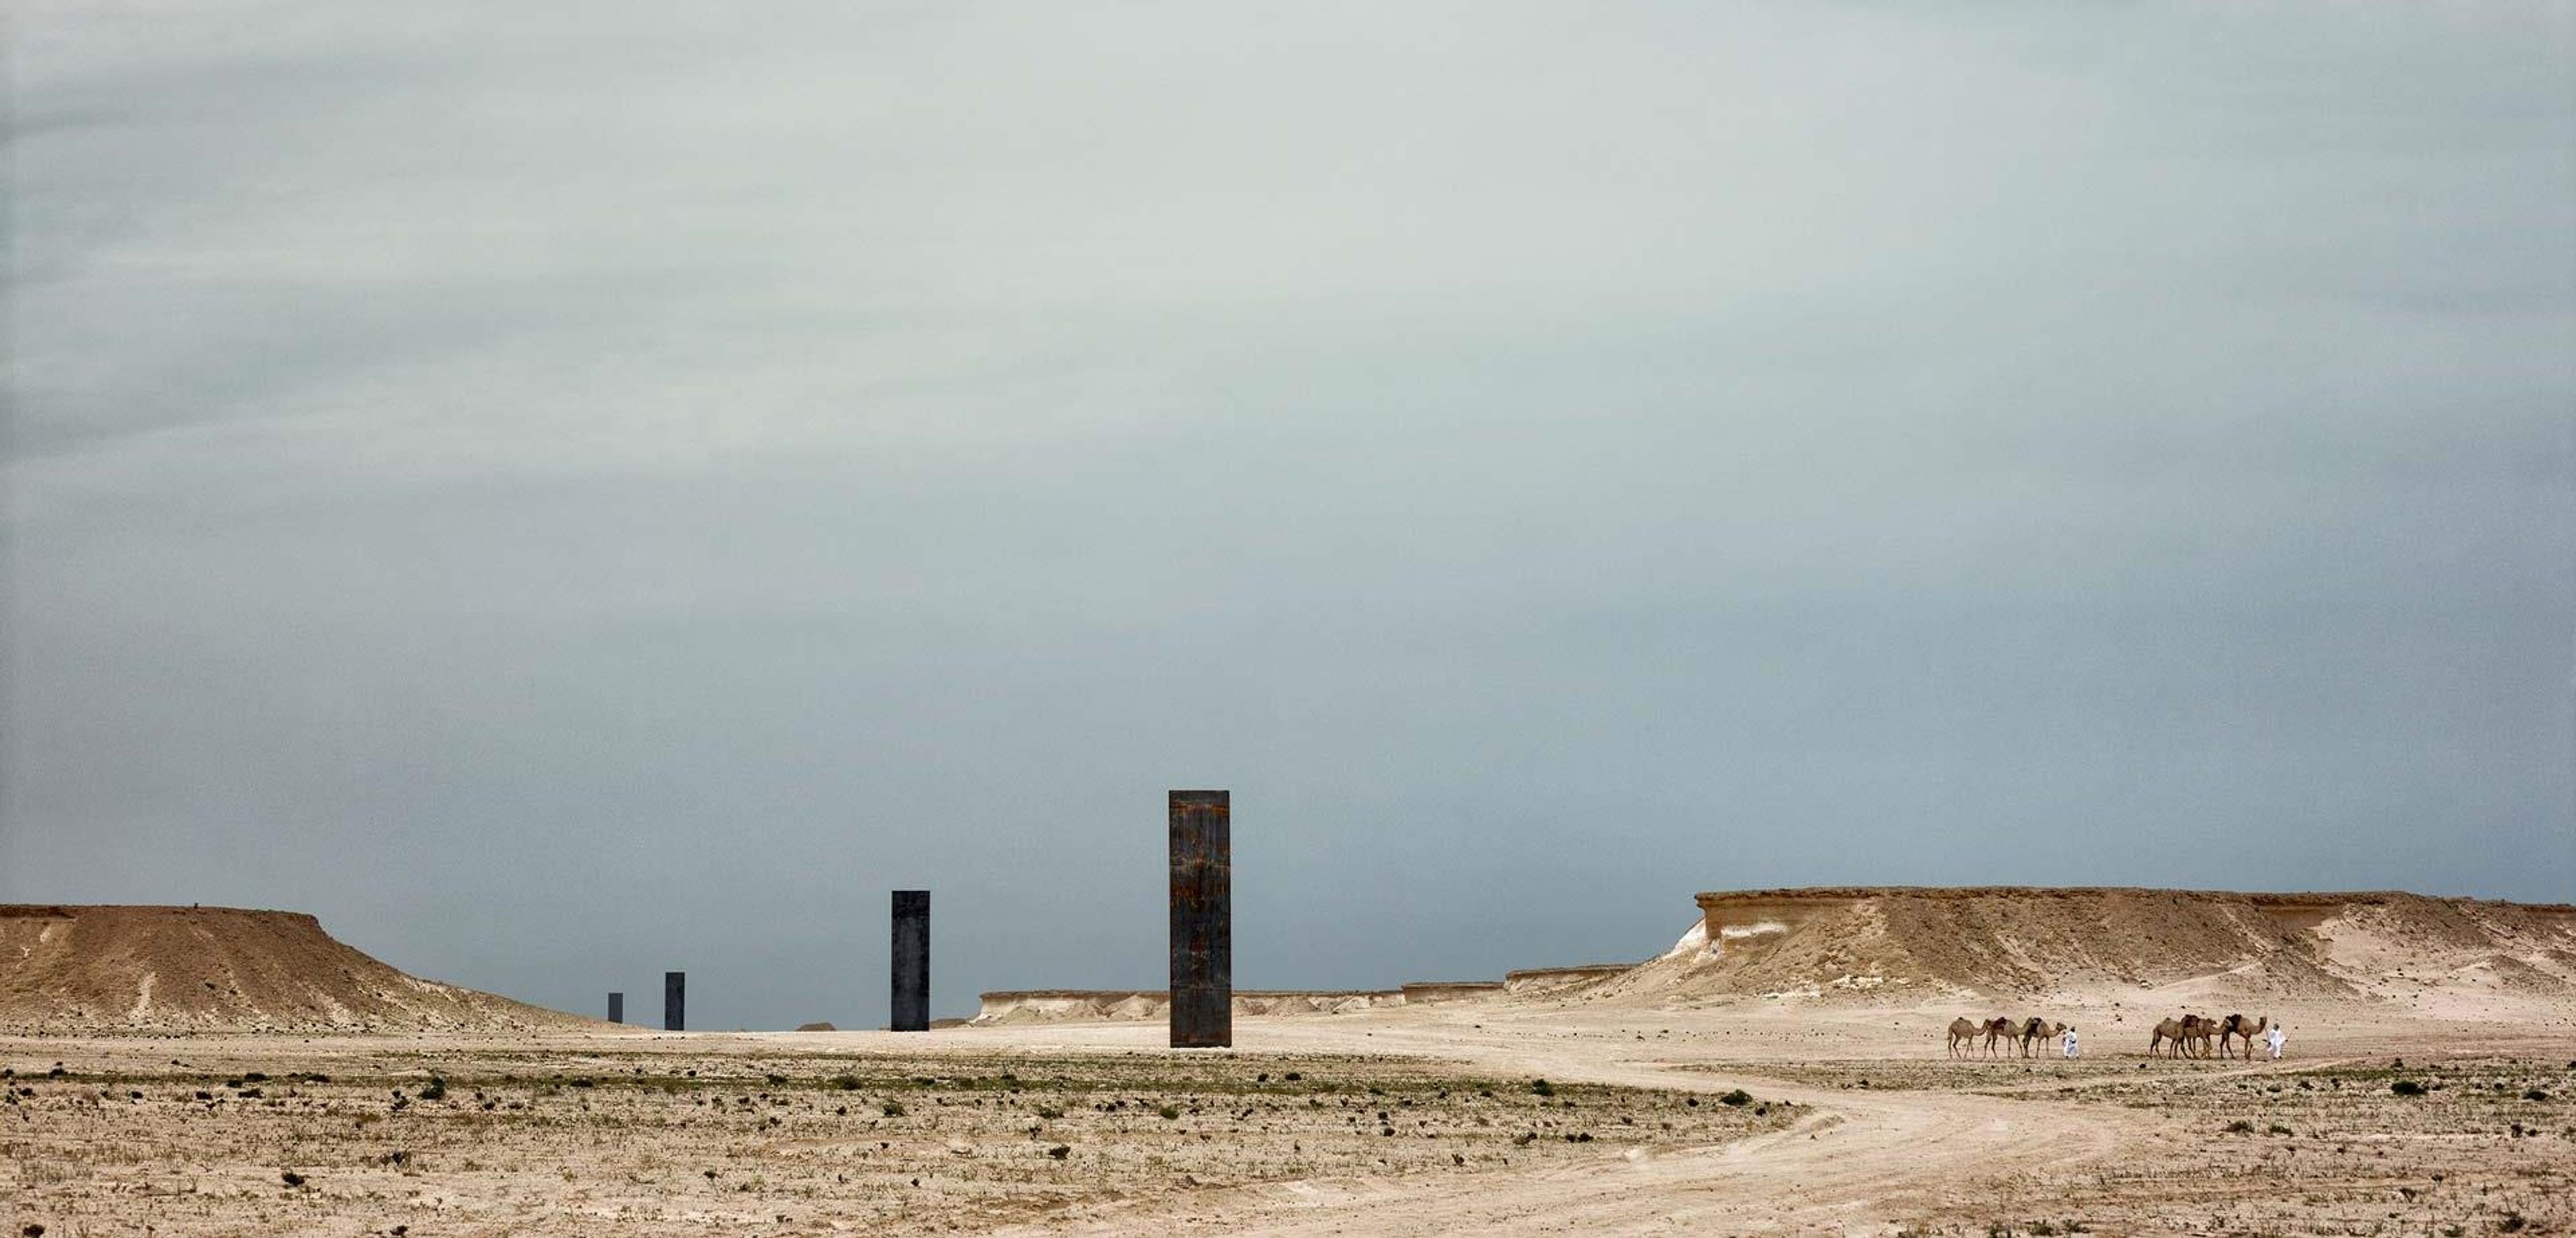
(1858, 1163)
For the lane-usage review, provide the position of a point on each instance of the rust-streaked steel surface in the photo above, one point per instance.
(1202, 920)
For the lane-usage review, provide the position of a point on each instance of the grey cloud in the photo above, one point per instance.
(574, 493)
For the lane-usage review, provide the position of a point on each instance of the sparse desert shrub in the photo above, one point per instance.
(437, 1089)
(1542, 1087)
(1060, 1151)
(2511, 1224)
(892, 1108)
(1168, 1112)
(2407, 1087)
(847, 1083)
(1736, 1099)
(290, 1178)
(1050, 1112)
(2278, 1129)
(2535, 1094)
(2240, 1127)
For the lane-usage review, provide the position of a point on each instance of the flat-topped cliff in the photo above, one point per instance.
(132, 969)
(1926, 941)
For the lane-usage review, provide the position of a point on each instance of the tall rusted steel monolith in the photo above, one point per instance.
(911, 961)
(675, 1001)
(617, 1008)
(1202, 920)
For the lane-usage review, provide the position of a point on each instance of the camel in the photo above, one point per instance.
(2239, 1025)
(1964, 1031)
(2038, 1031)
(2171, 1034)
(2188, 1036)
(2203, 1032)
(1997, 1028)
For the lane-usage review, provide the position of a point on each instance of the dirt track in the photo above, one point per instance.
(1856, 1158)
(1861, 1161)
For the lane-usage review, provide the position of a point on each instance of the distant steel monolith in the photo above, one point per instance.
(911, 961)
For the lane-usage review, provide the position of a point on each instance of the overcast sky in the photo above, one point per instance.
(566, 492)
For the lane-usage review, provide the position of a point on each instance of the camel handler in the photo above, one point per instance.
(2069, 1038)
(2274, 1039)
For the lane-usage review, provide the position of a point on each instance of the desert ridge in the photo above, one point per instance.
(1912, 945)
(1915, 944)
(67, 970)
(159, 970)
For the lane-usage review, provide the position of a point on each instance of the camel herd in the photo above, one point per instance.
(2192, 1035)
(2031, 1032)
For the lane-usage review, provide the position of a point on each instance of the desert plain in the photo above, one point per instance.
(2425, 1088)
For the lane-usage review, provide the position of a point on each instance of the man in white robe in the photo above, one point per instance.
(2070, 1042)
(2274, 1039)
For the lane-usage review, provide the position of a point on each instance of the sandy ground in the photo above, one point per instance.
(1422, 1120)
